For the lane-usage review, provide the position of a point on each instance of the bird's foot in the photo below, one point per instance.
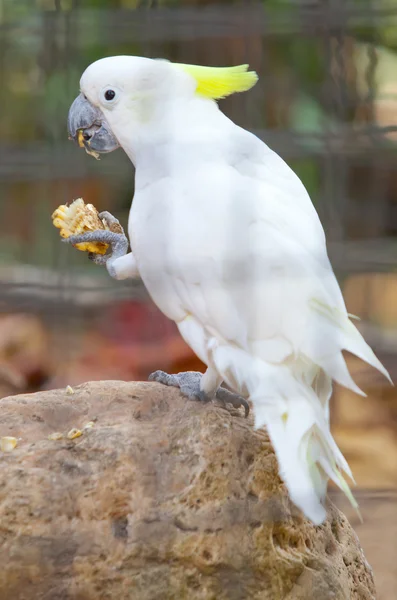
(115, 238)
(189, 384)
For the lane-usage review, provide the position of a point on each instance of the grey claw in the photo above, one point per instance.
(164, 378)
(117, 241)
(189, 384)
(109, 218)
(98, 259)
(235, 400)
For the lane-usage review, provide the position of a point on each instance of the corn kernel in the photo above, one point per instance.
(74, 433)
(57, 435)
(8, 443)
(89, 425)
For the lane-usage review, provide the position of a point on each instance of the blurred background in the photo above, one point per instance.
(326, 101)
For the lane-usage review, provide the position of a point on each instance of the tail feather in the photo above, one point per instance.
(355, 343)
(292, 401)
(322, 385)
(305, 485)
(297, 425)
(330, 332)
(335, 366)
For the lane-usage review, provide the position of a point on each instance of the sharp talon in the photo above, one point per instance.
(98, 259)
(240, 402)
(109, 218)
(235, 400)
(189, 384)
(153, 376)
(164, 378)
(246, 406)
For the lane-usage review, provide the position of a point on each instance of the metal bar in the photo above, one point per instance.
(193, 23)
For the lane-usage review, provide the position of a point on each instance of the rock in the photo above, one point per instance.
(162, 498)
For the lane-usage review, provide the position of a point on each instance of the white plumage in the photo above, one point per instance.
(229, 246)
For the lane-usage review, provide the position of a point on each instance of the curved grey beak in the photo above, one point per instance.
(88, 127)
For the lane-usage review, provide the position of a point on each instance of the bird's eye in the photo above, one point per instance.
(110, 95)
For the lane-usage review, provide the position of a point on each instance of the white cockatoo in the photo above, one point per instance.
(229, 246)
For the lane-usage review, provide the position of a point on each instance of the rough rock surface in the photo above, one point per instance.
(162, 499)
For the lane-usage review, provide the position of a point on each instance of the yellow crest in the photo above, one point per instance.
(219, 82)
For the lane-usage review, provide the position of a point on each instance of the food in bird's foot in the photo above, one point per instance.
(79, 218)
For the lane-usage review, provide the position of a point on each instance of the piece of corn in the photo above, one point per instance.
(89, 425)
(57, 435)
(79, 218)
(69, 390)
(80, 138)
(86, 144)
(74, 433)
(8, 443)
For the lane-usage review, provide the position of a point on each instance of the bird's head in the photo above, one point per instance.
(120, 93)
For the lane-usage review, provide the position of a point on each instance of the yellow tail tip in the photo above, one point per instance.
(219, 82)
